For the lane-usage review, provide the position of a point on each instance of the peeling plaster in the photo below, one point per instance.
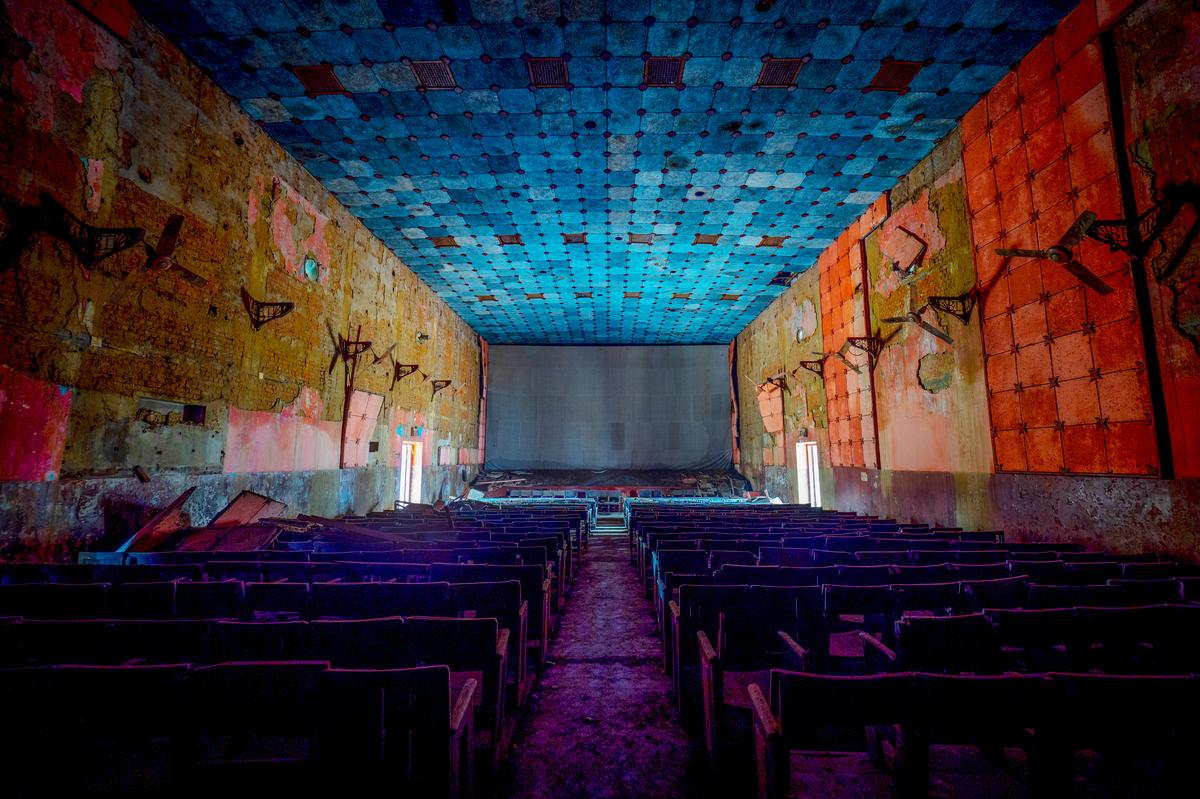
(67, 49)
(936, 371)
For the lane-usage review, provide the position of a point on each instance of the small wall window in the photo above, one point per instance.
(162, 412)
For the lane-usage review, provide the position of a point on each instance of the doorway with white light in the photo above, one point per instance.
(808, 476)
(410, 472)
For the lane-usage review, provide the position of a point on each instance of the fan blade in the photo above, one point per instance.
(849, 365)
(933, 331)
(895, 320)
(121, 290)
(1087, 277)
(1011, 252)
(189, 275)
(912, 297)
(170, 236)
(1077, 231)
(386, 353)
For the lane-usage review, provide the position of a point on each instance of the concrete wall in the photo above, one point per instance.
(122, 130)
(1040, 417)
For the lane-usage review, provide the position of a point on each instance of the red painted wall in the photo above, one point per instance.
(843, 314)
(33, 426)
(1158, 50)
(1065, 365)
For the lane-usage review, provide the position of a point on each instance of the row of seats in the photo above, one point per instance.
(241, 728)
(739, 605)
(899, 717)
(475, 605)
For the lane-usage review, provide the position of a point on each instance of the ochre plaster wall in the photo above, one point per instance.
(974, 433)
(126, 132)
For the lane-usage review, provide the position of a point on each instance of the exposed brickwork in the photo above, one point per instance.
(126, 135)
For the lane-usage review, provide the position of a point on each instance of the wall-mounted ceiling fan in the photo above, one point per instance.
(914, 316)
(1061, 253)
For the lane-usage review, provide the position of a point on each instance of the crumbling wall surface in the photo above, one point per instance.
(930, 394)
(1158, 50)
(1117, 513)
(773, 345)
(1039, 418)
(111, 364)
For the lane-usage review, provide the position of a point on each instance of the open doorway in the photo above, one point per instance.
(808, 476)
(410, 471)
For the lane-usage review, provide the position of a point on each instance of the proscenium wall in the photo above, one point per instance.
(125, 131)
(1040, 417)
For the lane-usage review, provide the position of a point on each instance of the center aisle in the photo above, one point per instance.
(602, 722)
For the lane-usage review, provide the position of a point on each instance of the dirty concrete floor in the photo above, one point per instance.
(602, 723)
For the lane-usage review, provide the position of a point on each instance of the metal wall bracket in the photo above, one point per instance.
(960, 307)
(438, 385)
(817, 367)
(90, 244)
(1150, 225)
(347, 350)
(403, 370)
(780, 382)
(263, 312)
(871, 345)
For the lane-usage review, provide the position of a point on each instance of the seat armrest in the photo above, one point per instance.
(460, 714)
(794, 655)
(502, 642)
(770, 756)
(877, 654)
(674, 606)
(708, 653)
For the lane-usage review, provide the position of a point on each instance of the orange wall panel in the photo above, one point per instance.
(1065, 365)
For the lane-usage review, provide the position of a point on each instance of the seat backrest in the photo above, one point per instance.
(950, 644)
(934, 573)
(1005, 592)
(55, 600)
(864, 575)
(777, 575)
(941, 597)
(1069, 596)
(268, 641)
(149, 600)
(272, 601)
(387, 723)
(1020, 627)
(805, 703)
(267, 698)
(223, 599)
(858, 599)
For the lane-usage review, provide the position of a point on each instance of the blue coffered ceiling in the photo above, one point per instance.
(439, 175)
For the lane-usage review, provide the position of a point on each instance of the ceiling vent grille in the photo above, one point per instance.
(779, 73)
(319, 79)
(663, 71)
(433, 75)
(535, 296)
(681, 295)
(443, 241)
(894, 76)
(783, 279)
(633, 295)
(486, 297)
(772, 241)
(641, 238)
(574, 238)
(509, 239)
(706, 238)
(548, 73)
(583, 295)
(731, 297)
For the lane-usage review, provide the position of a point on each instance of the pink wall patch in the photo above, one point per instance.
(294, 440)
(67, 49)
(33, 426)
